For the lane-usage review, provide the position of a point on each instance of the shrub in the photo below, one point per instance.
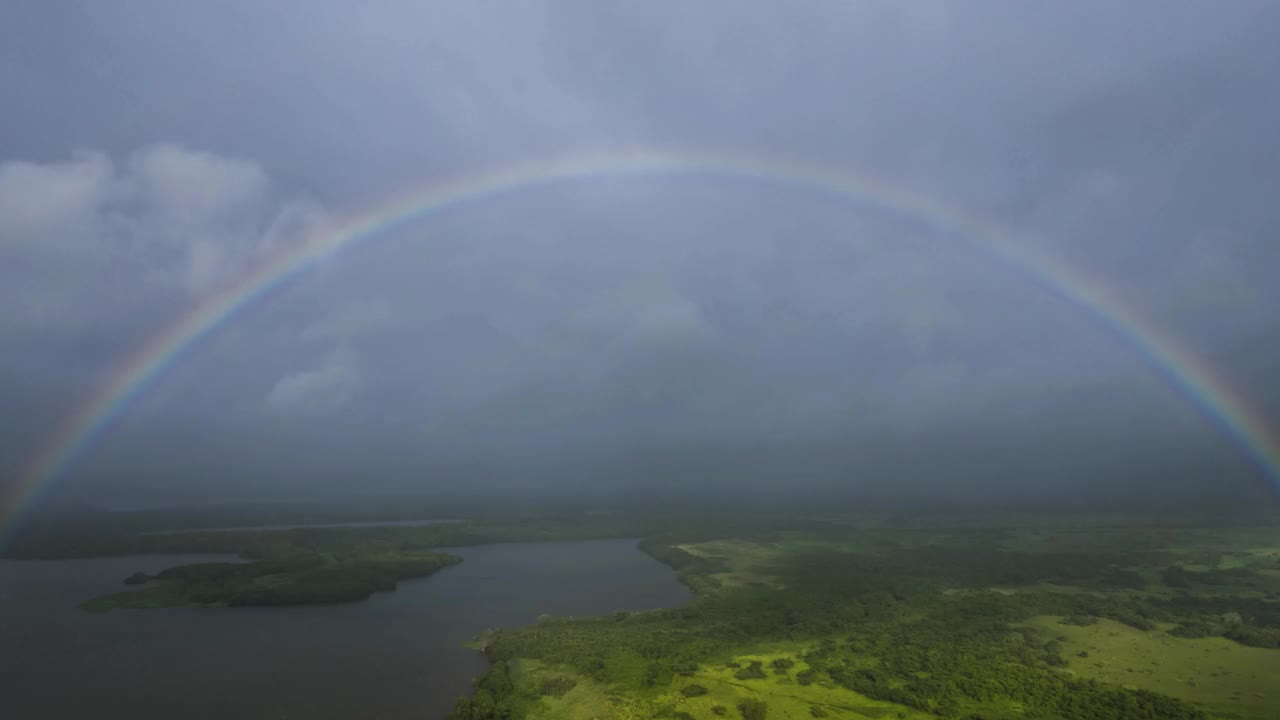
(685, 668)
(753, 709)
(1079, 619)
(693, 690)
(557, 686)
(1134, 620)
(1194, 629)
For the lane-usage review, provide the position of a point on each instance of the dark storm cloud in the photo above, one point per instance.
(612, 331)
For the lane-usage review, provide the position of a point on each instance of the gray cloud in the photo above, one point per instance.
(616, 330)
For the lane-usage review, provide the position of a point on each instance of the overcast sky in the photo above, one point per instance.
(665, 331)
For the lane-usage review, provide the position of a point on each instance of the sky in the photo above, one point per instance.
(622, 333)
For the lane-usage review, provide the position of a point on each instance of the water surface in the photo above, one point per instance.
(298, 526)
(397, 655)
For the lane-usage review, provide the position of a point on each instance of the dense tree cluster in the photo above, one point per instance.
(958, 657)
(694, 571)
(753, 709)
(557, 686)
(493, 697)
(693, 690)
(306, 579)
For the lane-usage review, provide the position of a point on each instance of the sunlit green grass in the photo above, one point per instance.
(785, 697)
(1229, 679)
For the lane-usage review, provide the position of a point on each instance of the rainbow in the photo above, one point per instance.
(1178, 364)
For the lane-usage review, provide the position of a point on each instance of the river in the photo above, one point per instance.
(397, 655)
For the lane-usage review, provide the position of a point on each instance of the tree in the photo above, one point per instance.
(693, 690)
(753, 709)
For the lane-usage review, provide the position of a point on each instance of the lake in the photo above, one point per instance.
(258, 528)
(397, 655)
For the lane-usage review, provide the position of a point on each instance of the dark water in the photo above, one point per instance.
(398, 655)
(247, 528)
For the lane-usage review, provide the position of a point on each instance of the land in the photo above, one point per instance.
(1086, 618)
(299, 579)
(810, 614)
(1227, 678)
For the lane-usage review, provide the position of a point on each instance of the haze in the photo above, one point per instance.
(659, 332)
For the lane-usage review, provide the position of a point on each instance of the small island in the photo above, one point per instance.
(303, 579)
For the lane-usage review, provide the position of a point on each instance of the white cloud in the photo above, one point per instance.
(319, 390)
(59, 199)
(190, 187)
(88, 238)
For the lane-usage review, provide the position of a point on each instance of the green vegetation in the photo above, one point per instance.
(853, 621)
(296, 580)
(753, 709)
(693, 691)
(1222, 676)
(558, 686)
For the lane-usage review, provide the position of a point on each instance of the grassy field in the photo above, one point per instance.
(743, 562)
(784, 697)
(1229, 679)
